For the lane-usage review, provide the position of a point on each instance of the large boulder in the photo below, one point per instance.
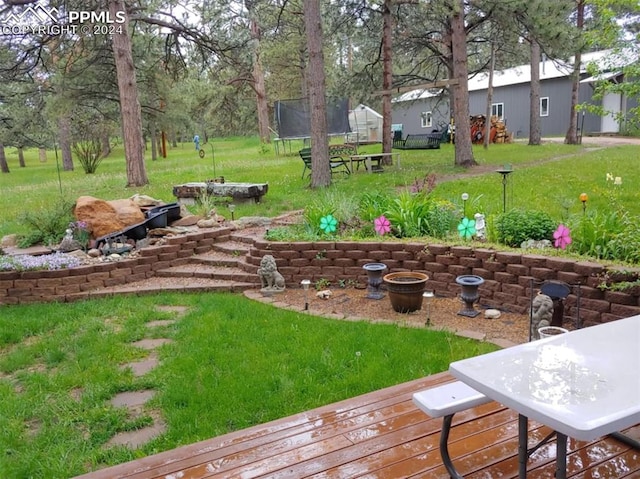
(104, 217)
(128, 211)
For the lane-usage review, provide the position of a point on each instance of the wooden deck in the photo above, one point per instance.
(380, 435)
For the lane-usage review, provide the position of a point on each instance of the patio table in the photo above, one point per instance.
(583, 384)
(369, 158)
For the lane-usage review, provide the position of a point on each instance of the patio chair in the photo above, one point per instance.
(336, 162)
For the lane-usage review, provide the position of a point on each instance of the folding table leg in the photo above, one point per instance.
(444, 447)
(523, 454)
(561, 456)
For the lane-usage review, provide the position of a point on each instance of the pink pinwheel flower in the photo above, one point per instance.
(562, 237)
(382, 225)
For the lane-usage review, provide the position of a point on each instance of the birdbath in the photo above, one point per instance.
(504, 171)
(374, 274)
(469, 284)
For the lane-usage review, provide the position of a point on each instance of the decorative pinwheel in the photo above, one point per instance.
(562, 237)
(382, 225)
(467, 228)
(328, 224)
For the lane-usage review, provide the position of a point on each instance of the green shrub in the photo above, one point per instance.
(343, 207)
(89, 154)
(372, 205)
(47, 225)
(516, 226)
(610, 235)
(420, 214)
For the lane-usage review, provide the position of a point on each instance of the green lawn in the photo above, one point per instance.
(233, 363)
(552, 186)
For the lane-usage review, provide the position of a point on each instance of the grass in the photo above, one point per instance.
(550, 186)
(61, 363)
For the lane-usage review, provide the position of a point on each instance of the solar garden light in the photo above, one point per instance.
(232, 208)
(584, 198)
(428, 295)
(465, 197)
(305, 285)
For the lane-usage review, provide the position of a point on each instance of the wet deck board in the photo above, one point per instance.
(378, 435)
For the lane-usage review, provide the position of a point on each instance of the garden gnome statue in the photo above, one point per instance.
(272, 281)
(541, 313)
(480, 225)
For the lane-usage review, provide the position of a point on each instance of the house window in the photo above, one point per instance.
(426, 119)
(497, 110)
(544, 106)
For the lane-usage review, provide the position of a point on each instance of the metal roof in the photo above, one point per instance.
(549, 69)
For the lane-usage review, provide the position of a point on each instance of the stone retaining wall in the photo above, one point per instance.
(74, 283)
(509, 276)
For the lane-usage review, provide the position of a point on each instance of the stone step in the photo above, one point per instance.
(181, 284)
(198, 270)
(215, 258)
(233, 248)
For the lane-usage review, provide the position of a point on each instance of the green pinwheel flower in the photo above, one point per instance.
(328, 224)
(467, 228)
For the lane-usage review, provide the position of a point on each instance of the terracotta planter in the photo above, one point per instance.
(405, 290)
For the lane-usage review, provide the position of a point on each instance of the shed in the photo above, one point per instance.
(365, 124)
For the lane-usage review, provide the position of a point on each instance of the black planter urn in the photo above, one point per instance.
(469, 284)
(374, 278)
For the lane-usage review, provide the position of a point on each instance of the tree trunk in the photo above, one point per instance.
(21, 157)
(464, 151)
(487, 125)
(258, 77)
(154, 142)
(387, 78)
(42, 155)
(571, 138)
(64, 134)
(320, 169)
(129, 102)
(534, 94)
(105, 148)
(4, 167)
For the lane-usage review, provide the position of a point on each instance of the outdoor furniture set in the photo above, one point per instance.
(581, 384)
(345, 159)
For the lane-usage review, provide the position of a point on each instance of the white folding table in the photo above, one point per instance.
(583, 384)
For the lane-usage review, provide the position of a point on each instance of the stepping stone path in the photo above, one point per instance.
(135, 401)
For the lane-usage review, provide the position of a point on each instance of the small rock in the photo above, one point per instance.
(207, 223)
(492, 314)
(94, 253)
(532, 244)
(190, 220)
(251, 221)
(144, 200)
(81, 255)
(9, 241)
(324, 294)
